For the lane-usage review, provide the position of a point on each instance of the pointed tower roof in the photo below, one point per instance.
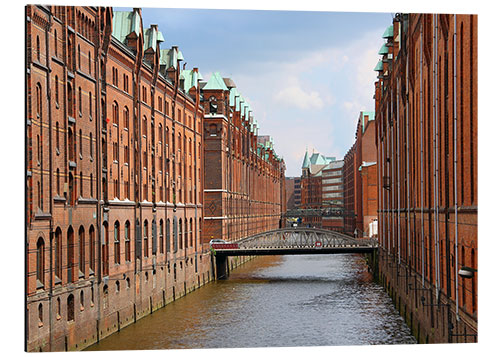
(215, 82)
(306, 163)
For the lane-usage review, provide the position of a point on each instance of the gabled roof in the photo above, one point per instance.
(383, 50)
(389, 32)
(169, 57)
(191, 78)
(371, 117)
(151, 37)
(233, 95)
(126, 24)
(318, 159)
(306, 162)
(379, 66)
(215, 83)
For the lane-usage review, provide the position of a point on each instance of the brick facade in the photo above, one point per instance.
(245, 182)
(426, 133)
(360, 182)
(115, 167)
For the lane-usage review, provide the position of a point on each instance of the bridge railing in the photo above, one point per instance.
(303, 238)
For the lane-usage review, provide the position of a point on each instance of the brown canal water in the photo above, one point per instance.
(288, 301)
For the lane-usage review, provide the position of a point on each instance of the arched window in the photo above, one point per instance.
(168, 236)
(58, 308)
(145, 236)
(70, 101)
(105, 293)
(79, 58)
(105, 250)
(91, 185)
(38, 150)
(70, 189)
(57, 137)
(71, 307)
(80, 101)
(115, 113)
(199, 231)
(186, 234)
(40, 314)
(90, 64)
(58, 253)
(81, 184)
(38, 100)
(90, 105)
(55, 43)
(144, 126)
(127, 241)
(117, 242)
(40, 262)
(70, 55)
(174, 235)
(162, 247)
(91, 146)
(80, 147)
(125, 118)
(81, 255)
(56, 91)
(38, 48)
(180, 234)
(70, 254)
(190, 232)
(82, 301)
(91, 250)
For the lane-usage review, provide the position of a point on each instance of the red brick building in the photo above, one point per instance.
(311, 184)
(426, 121)
(115, 171)
(244, 178)
(360, 179)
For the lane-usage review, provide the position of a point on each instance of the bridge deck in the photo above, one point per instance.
(293, 251)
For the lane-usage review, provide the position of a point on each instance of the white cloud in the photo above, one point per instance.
(295, 96)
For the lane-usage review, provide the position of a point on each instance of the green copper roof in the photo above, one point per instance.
(318, 159)
(306, 162)
(389, 32)
(151, 38)
(126, 23)
(160, 37)
(379, 66)
(169, 58)
(233, 94)
(215, 82)
(383, 50)
(190, 78)
(371, 117)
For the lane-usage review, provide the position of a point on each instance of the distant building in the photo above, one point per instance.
(292, 192)
(360, 178)
(315, 169)
(332, 193)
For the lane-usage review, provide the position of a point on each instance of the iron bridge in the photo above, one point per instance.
(291, 241)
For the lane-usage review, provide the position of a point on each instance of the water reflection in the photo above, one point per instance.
(324, 300)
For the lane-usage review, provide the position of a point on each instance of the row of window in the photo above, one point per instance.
(77, 266)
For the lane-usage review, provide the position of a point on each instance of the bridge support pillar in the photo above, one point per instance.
(221, 267)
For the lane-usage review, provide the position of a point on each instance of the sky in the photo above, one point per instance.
(306, 74)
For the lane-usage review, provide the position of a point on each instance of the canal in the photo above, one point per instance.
(287, 301)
